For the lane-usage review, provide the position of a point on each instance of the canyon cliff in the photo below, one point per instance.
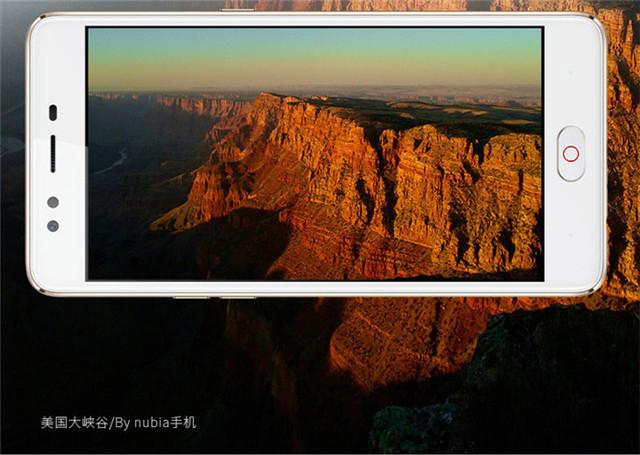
(215, 108)
(368, 202)
(212, 107)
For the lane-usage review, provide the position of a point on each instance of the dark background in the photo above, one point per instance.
(558, 376)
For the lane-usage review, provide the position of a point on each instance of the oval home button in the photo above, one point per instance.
(571, 153)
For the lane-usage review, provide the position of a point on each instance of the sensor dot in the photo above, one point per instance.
(53, 225)
(53, 202)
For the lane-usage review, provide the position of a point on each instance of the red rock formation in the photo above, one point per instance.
(351, 5)
(446, 191)
(213, 107)
(408, 5)
(623, 29)
(386, 341)
(419, 203)
(110, 96)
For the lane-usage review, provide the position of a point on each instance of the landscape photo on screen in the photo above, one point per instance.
(343, 153)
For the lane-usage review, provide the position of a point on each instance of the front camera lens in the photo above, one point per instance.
(53, 225)
(53, 202)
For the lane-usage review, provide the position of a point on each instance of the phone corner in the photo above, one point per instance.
(596, 283)
(36, 284)
(602, 33)
(35, 23)
(593, 22)
(39, 21)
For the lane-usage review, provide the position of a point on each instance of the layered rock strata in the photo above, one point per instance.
(405, 203)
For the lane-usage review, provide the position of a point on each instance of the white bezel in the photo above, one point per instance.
(574, 212)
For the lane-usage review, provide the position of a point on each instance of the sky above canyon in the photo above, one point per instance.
(175, 59)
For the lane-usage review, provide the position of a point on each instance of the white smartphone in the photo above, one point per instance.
(240, 154)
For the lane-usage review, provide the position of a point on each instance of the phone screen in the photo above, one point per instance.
(315, 153)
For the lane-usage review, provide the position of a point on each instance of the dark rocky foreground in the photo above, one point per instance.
(553, 381)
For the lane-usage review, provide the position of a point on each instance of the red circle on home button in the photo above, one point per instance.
(570, 153)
